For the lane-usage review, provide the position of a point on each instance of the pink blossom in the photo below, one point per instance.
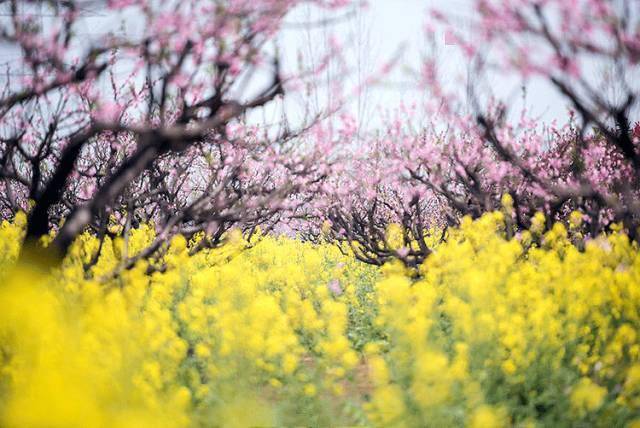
(334, 287)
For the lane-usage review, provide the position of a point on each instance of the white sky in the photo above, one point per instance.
(393, 23)
(372, 37)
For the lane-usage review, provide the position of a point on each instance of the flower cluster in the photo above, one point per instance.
(491, 331)
(527, 331)
(261, 337)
